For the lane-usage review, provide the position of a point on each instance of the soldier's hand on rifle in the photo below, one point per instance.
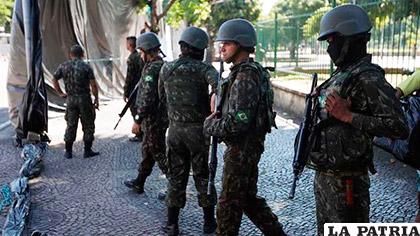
(125, 99)
(136, 129)
(213, 103)
(339, 107)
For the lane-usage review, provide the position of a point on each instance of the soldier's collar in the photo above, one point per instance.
(247, 60)
(365, 59)
(158, 58)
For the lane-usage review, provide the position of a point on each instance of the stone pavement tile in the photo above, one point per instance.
(87, 197)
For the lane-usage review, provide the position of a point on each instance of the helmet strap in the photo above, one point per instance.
(235, 55)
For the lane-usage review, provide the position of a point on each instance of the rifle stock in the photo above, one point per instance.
(302, 138)
(214, 141)
(130, 100)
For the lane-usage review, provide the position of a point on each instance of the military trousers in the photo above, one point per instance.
(330, 199)
(152, 147)
(187, 147)
(83, 108)
(239, 191)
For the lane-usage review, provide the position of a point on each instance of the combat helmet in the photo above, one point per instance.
(147, 41)
(238, 30)
(346, 20)
(195, 37)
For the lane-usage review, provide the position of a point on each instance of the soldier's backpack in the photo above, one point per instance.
(266, 117)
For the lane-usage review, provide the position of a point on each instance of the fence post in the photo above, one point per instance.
(275, 40)
(334, 4)
(297, 44)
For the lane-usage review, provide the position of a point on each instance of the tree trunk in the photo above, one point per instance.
(210, 57)
(154, 24)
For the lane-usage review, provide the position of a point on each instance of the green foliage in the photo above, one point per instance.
(311, 26)
(140, 5)
(288, 8)
(229, 9)
(379, 11)
(194, 12)
(6, 8)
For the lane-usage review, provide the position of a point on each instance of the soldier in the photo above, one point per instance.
(150, 118)
(134, 68)
(78, 76)
(184, 89)
(241, 98)
(352, 107)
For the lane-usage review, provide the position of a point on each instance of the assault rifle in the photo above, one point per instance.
(131, 99)
(214, 141)
(302, 137)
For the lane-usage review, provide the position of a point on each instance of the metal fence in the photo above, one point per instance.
(289, 42)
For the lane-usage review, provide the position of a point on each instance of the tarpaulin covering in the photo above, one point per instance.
(14, 225)
(407, 150)
(99, 26)
(33, 113)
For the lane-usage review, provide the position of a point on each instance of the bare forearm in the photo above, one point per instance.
(57, 86)
(94, 88)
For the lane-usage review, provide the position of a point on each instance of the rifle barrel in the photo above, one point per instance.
(300, 157)
(293, 189)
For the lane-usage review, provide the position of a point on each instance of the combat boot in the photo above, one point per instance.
(171, 228)
(69, 150)
(210, 224)
(137, 184)
(88, 150)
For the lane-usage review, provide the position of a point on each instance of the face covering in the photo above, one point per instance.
(346, 51)
(334, 49)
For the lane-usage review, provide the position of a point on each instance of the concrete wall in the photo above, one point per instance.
(288, 100)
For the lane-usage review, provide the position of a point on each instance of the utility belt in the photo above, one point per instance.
(79, 98)
(344, 174)
(184, 123)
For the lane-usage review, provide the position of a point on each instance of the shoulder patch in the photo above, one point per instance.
(148, 78)
(241, 116)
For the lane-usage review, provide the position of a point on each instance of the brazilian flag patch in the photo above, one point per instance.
(148, 78)
(241, 116)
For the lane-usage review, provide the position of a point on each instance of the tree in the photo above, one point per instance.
(380, 13)
(292, 15)
(226, 10)
(193, 12)
(6, 8)
(293, 8)
(154, 17)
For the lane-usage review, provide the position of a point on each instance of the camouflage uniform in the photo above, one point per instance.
(183, 87)
(342, 152)
(240, 94)
(77, 76)
(134, 68)
(152, 120)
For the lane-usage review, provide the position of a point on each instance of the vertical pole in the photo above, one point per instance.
(297, 44)
(275, 39)
(416, 33)
(333, 4)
